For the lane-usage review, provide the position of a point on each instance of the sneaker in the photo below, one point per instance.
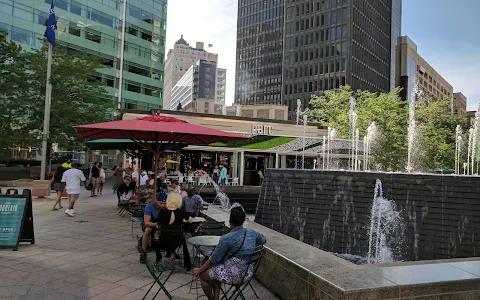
(69, 212)
(72, 211)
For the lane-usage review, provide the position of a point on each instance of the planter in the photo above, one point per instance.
(40, 188)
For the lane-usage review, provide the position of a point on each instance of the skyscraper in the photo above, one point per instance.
(179, 60)
(95, 27)
(324, 44)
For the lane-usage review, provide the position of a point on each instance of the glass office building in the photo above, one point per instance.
(95, 27)
(324, 44)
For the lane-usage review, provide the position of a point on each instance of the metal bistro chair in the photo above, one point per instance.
(166, 268)
(238, 289)
(137, 215)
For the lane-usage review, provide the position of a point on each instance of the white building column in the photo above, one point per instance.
(242, 166)
(283, 161)
(234, 165)
(277, 160)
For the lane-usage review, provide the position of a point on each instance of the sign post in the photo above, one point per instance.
(16, 220)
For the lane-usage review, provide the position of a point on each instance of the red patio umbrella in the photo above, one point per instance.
(156, 133)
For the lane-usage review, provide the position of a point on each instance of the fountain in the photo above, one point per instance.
(369, 143)
(221, 197)
(458, 148)
(332, 133)
(473, 142)
(352, 118)
(385, 221)
(323, 152)
(469, 151)
(303, 149)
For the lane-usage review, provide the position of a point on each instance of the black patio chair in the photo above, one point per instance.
(137, 215)
(238, 289)
(158, 269)
(173, 237)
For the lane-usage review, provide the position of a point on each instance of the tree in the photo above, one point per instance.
(388, 111)
(78, 96)
(12, 76)
(436, 134)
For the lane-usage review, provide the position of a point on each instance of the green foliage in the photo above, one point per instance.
(388, 111)
(76, 94)
(436, 134)
(257, 142)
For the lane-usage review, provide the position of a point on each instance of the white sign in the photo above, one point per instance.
(262, 129)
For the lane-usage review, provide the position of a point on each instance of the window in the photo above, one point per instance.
(23, 12)
(110, 82)
(93, 36)
(95, 15)
(61, 4)
(146, 36)
(76, 8)
(21, 36)
(74, 30)
(132, 31)
(107, 20)
(6, 7)
(133, 88)
(41, 18)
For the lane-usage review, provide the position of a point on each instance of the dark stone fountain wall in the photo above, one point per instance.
(331, 210)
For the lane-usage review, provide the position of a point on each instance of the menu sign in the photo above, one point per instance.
(16, 222)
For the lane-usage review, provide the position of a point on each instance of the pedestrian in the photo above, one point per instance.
(223, 175)
(216, 173)
(143, 180)
(58, 186)
(118, 173)
(67, 164)
(72, 178)
(260, 176)
(101, 179)
(94, 174)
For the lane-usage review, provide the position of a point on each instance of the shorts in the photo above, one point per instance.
(94, 182)
(233, 271)
(59, 186)
(154, 229)
(73, 197)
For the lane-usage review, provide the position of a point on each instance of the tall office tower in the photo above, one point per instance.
(326, 44)
(258, 78)
(179, 60)
(96, 27)
(396, 33)
(221, 86)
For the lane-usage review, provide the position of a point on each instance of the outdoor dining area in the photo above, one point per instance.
(181, 228)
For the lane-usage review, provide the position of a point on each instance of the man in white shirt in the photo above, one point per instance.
(135, 178)
(143, 180)
(72, 178)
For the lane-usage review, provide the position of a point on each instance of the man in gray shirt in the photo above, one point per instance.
(192, 203)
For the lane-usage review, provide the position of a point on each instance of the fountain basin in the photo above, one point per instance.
(295, 270)
(331, 211)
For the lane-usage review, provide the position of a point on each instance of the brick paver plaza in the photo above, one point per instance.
(89, 256)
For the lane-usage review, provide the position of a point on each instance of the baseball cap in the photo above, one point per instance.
(162, 197)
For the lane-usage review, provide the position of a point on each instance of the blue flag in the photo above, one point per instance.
(50, 32)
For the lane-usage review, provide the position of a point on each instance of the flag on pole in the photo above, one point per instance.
(210, 45)
(50, 32)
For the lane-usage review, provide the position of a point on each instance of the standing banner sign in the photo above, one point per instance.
(16, 220)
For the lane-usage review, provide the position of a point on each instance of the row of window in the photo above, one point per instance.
(270, 14)
(315, 86)
(312, 7)
(104, 18)
(339, 49)
(331, 18)
(329, 34)
(143, 89)
(333, 66)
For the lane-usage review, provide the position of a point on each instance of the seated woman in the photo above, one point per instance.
(229, 261)
(126, 190)
(171, 218)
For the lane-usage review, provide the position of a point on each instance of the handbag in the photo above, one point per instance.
(88, 184)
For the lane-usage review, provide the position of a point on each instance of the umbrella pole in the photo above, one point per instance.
(155, 171)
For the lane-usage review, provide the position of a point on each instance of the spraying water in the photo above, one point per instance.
(299, 107)
(352, 117)
(385, 228)
(221, 198)
(412, 127)
(475, 132)
(304, 132)
(332, 133)
(369, 143)
(469, 150)
(458, 148)
(357, 137)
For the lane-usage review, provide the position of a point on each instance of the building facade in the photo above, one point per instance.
(95, 27)
(179, 60)
(459, 104)
(412, 70)
(221, 86)
(196, 90)
(289, 50)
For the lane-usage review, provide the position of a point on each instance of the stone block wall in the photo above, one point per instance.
(331, 210)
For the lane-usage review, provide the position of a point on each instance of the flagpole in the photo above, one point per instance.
(46, 116)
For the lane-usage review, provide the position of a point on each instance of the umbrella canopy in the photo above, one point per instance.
(156, 133)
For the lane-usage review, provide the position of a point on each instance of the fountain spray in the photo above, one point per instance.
(323, 152)
(458, 148)
(352, 117)
(470, 142)
(304, 129)
(476, 130)
(299, 105)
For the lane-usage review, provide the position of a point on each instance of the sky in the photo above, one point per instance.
(447, 34)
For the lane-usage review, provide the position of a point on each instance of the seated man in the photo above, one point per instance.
(126, 190)
(151, 219)
(162, 183)
(192, 203)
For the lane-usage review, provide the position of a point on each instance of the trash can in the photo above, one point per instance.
(40, 188)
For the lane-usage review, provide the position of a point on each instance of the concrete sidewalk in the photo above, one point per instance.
(89, 256)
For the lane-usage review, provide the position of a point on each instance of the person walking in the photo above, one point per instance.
(73, 177)
(216, 172)
(223, 175)
(118, 173)
(101, 179)
(58, 186)
(260, 177)
(94, 174)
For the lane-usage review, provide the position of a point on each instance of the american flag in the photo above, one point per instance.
(210, 45)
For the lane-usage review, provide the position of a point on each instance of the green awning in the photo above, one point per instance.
(259, 142)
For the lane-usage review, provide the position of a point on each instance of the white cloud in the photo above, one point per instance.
(209, 21)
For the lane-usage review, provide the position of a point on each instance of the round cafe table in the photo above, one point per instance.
(196, 220)
(204, 240)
